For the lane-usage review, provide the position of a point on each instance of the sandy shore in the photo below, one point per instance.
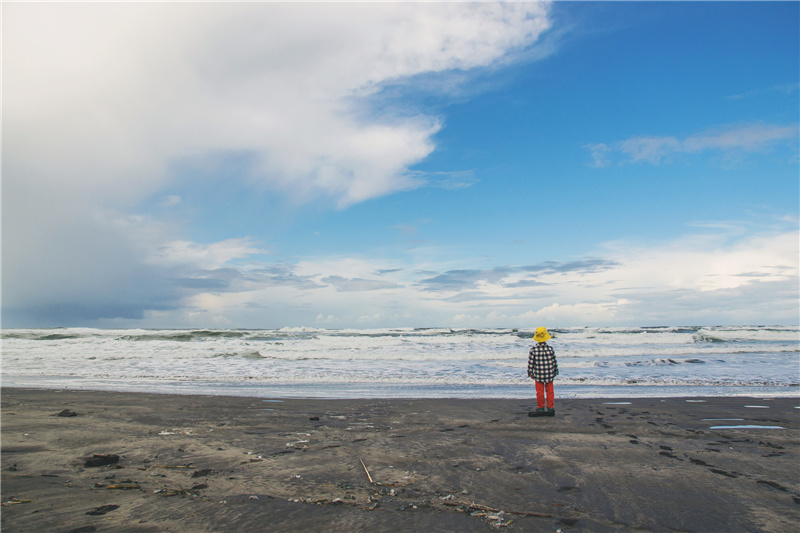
(203, 463)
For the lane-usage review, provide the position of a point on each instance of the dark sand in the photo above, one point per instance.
(196, 463)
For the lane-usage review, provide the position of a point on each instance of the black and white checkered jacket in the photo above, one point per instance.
(542, 365)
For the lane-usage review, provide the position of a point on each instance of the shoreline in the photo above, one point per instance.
(237, 463)
(396, 391)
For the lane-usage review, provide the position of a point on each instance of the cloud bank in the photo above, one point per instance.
(717, 276)
(108, 95)
(104, 100)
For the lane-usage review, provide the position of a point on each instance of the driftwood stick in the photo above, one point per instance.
(124, 487)
(13, 501)
(525, 513)
(367, 471)
(479, 507)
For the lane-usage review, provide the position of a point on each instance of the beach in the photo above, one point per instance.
(182, 463)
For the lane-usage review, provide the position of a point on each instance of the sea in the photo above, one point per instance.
(594, 362)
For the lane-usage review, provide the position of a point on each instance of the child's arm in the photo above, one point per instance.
(530, 363)
(555, 362)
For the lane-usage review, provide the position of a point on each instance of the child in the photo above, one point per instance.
(543, 369)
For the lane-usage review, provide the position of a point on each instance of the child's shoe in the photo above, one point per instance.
(550, 412)
(539, 412)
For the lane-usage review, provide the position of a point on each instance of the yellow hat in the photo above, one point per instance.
(541, 335)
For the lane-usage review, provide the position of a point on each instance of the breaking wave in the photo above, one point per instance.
(699, 356)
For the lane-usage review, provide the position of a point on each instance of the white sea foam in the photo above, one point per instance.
(589, 358)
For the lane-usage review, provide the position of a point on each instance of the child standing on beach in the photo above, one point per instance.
(542, 369)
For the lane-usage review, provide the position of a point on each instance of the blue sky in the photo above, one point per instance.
(385, 165)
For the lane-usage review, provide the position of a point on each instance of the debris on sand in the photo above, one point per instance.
(13, 501)
(483, 508)
(84, 529)
(102, 460)
(132, 486)
(103, 509)
(367, 472)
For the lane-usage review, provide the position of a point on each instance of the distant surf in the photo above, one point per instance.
(406, 362)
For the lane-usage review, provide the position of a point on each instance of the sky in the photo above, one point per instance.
(373, 165)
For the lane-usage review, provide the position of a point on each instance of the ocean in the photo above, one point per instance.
(407, 362)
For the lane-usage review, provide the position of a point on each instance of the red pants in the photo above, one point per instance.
(541, 388)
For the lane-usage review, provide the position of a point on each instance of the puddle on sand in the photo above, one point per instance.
(746, 427)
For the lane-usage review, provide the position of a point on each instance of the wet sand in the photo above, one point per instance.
(212, 463)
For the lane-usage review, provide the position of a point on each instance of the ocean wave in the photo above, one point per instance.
(58, 337)
(184, 336)
(620, 335)
(45, 335)
(657, 355)
(310, 378)
(242, 355)
(661, 362)
(658, 382)
(705, 337)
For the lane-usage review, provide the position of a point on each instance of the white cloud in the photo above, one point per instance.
(171, 201)
(783, 88)
(728, 140)
(650, 149)
(579, 313)
(713, 277)
(357, 284)
(105, 95)
(447, 180)
(745, 138)
(221, 321)
(202, 256)
(599, 152)
(103, 100)
(708, 263)
(724, 275)
(327, 320)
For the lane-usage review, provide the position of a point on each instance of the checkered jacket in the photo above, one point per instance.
(542, 365)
